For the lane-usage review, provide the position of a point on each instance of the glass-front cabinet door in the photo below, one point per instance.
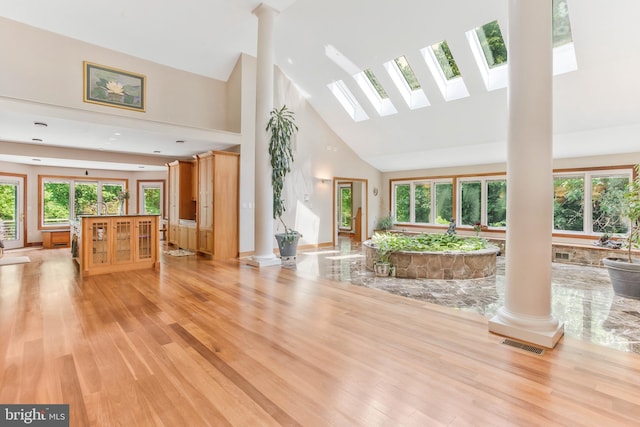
(123, 249)
(100, 233)
(145, 239)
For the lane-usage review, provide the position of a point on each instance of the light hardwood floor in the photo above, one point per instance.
(220, 343)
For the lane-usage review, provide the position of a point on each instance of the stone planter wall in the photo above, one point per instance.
(439, 265)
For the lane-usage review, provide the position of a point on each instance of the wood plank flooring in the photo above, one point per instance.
(209, 343)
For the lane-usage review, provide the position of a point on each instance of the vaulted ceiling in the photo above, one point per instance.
(207, 36)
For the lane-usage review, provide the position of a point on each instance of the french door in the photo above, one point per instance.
(12, 211)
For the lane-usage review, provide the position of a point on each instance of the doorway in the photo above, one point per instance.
(350, 203)
(12, 211)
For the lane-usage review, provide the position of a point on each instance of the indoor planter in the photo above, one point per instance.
(382, 263)
(282, 126)
(625, 272)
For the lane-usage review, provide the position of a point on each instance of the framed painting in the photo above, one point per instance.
(115, 88)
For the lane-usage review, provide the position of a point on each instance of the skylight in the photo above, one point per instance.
(348, 101)
(490, 53)
(445, 71)
(561, 24)
(407, 83)
(492, 44)
(445, 59)
(375, 92)
(564, 53)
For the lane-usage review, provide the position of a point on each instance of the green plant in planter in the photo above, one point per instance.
(384, 223)
(282, 127)
(631, 210)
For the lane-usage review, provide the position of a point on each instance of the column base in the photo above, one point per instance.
(263, 261)
(546, 333)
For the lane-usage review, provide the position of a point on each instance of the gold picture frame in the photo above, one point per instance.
(113, 87)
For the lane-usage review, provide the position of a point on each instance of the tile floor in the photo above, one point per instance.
(582, 296)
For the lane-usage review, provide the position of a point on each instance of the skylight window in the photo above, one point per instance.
(445, 71)
(490, 53)
(564, 53)
(407, 83)
(561, 24)
(407, 72)
(445, 59)
(348, 101)
(492, 44)
(376, 84)
(375, 92)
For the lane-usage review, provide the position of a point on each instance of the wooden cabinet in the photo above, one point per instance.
(182, 198)
(109, 244)
(218, 204)
(55, 239)
(187, 237)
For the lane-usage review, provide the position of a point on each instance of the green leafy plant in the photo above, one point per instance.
(386, 243)
(282, 127)
(385, 222)
(631, 210)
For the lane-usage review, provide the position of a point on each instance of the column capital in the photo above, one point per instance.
(263, 8)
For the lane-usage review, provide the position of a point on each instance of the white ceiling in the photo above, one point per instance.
(207, 36)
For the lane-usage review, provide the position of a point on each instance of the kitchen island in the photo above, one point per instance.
(112, 243)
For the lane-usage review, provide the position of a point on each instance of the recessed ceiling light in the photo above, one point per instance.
(117, 133)
(36, 160)
(140, 167)
(157, 151)
(36, 139)
(41, 124)
(180, 141)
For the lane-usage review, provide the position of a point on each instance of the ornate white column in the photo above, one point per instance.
(526, 314)
(263, 252)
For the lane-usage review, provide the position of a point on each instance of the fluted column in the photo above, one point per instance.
(526, 314)
(263, 253)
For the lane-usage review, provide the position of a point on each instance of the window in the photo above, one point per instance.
(445, 71)
(375, 92)
(470, 202)
(589, 202)
(564, 53)
(422, 202)
(407, 83)
(344, 96)
(56, 202)
(568, 203)
(63, 199)
(345, 206)
(490, 53)
(151, 197)
(483, 200)
(606, 200)
(402, 205)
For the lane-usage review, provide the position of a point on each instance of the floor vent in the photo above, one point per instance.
(526, 347)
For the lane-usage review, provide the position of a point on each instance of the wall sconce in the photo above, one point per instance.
(325, 180)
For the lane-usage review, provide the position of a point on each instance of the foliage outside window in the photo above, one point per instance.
(561, 24)
(402, 202)
(418, 202)
(590, 202)
(8, 211)
(606, 201)
(470, 202)
(492, 44)
(62, 197)
(376, 84)
(445, 60)
(152, 200)
(497, 203)
(422, 197)
(346, 212)
(407, 72)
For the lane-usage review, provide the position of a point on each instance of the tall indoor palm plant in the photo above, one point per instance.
(282, 127)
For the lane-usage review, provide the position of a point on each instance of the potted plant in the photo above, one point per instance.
(382, 261)
(625, 272)
(282, 126)
(384, 223)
